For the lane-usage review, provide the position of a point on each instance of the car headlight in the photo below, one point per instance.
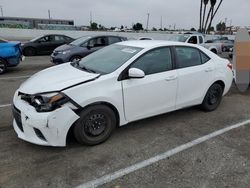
(48, 102)
(66, 52)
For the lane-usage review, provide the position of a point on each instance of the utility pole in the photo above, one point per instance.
(91, 18)
(147, 20)
(1, 8)
(49, 14)
(161, 22)
(225, 25)
(231, 26)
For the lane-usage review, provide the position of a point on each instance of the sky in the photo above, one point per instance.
(182, 13)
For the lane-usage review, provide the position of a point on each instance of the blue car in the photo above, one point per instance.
(10, 54)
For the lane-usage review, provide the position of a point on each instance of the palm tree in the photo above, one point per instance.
(213, 15)
(204, 14)
(201, 6)
(211, 12)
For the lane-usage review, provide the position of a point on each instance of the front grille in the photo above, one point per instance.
(17, 117)
(39, 134)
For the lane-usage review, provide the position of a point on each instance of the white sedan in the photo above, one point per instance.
(116, 85)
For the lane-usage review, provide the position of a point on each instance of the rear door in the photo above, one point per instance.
(195, 74)
(156, 92)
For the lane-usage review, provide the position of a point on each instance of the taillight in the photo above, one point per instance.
(230, 65)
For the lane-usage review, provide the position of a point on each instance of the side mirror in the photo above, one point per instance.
(135, 73)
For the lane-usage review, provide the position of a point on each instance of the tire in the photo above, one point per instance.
(75, 58)
(95, 125)
(29, 51)
(213, 98)
(3, 66)
(214, 51)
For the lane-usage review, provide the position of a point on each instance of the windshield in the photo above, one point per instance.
(79, 41)
(34, 39)
(179, 38)
(108, 59)
(3, 40)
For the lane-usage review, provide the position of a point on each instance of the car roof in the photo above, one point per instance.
(153, 43)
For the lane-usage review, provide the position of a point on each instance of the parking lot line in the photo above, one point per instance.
(15, 77)
(5, 105)
(122, 172)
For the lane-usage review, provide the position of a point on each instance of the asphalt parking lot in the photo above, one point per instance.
(222, 161)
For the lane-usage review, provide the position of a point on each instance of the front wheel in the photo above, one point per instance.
(29, 51)
(95, 125)
(213, 98)
(75, 58)
(3, 66)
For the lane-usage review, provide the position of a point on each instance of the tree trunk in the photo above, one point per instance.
(208, 16)
(213, 15)
(210, 23)
(200, 27)
(203, 18)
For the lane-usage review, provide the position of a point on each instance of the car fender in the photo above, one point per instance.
(95, 92)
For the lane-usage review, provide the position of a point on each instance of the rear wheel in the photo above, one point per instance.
(213, 98)
(29, 51)
(3, 66)
(95, 125)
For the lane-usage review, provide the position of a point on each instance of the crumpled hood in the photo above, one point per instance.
(55, 78)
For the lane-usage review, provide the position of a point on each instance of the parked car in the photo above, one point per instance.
(145, 38)
(118, 84)
(44, 45)
(225, 44)
(198, 39)
(10, 54)
(82, 47)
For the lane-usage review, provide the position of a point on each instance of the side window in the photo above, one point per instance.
(155, 61)
(113, 40)
(47, 39)
(187, 57)
(59, 38)
(200, 39)
(44, 39)
(193, 40)
(204, 58)
(67, 38)
(97, 42)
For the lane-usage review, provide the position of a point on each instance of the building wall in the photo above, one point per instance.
(33, 22)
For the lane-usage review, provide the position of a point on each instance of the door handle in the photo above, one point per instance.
(171, 78)
(209, 69)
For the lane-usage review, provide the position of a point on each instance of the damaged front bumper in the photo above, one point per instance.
(47, 129)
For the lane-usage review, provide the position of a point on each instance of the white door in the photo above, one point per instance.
(156, 92)
(195, 74)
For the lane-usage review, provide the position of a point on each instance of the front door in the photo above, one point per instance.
(156, 92)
